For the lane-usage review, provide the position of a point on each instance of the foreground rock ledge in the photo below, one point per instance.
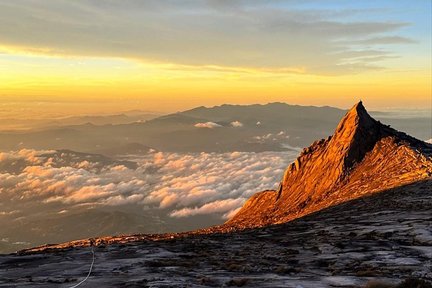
(383, 237)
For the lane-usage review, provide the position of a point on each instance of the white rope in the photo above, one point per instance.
(90, 270)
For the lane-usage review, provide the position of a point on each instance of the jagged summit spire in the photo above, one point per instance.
(359, 105)
(355, 135)
(359, 109)
(355, 117)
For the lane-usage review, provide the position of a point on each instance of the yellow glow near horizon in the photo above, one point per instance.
(33, 76)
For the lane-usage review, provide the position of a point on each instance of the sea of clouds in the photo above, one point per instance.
(184, 185)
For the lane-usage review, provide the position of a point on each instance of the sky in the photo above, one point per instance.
(88, 56)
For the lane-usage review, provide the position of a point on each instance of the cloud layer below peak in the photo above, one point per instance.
(180, 184)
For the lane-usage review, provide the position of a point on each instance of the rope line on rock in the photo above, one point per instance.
(90, 270)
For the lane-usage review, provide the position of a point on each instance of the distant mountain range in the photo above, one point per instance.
(270, 127)
(11, 124)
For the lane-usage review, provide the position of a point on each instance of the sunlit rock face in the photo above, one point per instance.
(363, 156)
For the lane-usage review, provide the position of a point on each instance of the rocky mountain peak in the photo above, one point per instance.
(354, 136)
(363, 156)
(356, 116)
(328, 162)
(356, 127)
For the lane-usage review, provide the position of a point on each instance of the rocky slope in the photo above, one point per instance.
(385, 237)
(362, 157)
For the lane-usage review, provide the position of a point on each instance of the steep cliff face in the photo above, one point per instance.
(363, 156)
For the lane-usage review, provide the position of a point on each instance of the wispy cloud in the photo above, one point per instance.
(250, 34)
(384, 40)
(209, 125)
